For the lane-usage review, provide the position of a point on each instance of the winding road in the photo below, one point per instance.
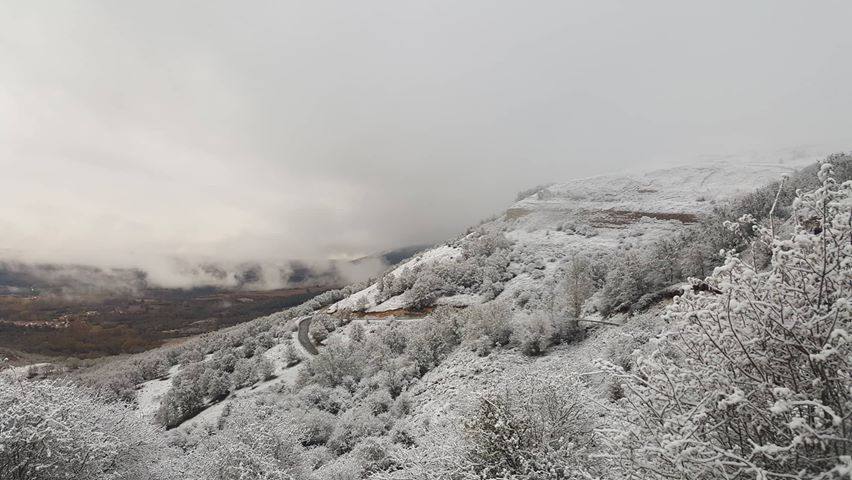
(304, 339)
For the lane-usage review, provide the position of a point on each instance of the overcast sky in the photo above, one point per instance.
(254, 130)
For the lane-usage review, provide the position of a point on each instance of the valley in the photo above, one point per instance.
(98, 325)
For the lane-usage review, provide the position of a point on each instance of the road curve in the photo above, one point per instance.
(304, 339)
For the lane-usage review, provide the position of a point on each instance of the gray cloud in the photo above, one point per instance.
(136, 131)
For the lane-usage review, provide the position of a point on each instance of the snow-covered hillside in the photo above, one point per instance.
(586, 216)
(571, 296)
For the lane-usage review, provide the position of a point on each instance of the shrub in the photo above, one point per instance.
(215, 384)
(332, 400)
(226, 360)
(355, 424)
(426, 289)
(578, 284)
(244, 373)
(190, 355)
(54, 430)
(533, 334)
(379, 401)
(533, 430)
(489, 325)
(336, 364)
(153, 366)
(434, 339)
(373, 453)
(316, 426)
(263, 369)
(256, 442)
(756, 381)
(289, 355)
(318, 331)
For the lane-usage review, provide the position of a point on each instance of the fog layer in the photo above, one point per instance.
(132, 133)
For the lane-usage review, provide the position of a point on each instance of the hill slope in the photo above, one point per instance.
(544, 230)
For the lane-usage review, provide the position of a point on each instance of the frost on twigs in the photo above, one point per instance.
(755, 382)
(57, 430)
(534, 429)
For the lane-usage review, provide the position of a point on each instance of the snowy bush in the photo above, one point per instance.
(225, 360)
(533, 333)
(532, 191)
(289, 355)
(263, 369)
(352, 426)
(533, 430)
(244, 374)
(316, 426)
(51, 430)
(755, 382)
(337, 364)
(215, 384)
(318, 331)
(434, 339)
(487, 326)
(257, 442)
(332, 400)
(625, 282)
(426, 289)
(153, 366)
(190, 355)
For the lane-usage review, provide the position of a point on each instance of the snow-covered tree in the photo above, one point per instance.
(356, 332)
(263, 369)
(426, 289)
(226, 360)
(318, 331)
(352, 426)
(185, 398)
(244, 373)
(434, 338)
(755, 382)
(579, 285)
(289, 354)
(362, 304)
(215, 383)
(625, 282)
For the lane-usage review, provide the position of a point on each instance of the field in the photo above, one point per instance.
(86, 327)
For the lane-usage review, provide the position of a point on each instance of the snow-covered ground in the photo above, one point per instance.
(584, 216)
(151, 392)
(448, 393)
(367, 296)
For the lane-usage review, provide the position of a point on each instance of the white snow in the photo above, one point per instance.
(151, 392)
(591, 216)
(444, 253)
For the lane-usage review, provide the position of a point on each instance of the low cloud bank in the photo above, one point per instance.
(70, 280)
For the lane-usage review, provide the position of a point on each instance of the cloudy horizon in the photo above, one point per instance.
(134, 132)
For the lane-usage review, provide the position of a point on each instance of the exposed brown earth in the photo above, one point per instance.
(92, 327)
(515, 213)
(610, 218)
(397, 312)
